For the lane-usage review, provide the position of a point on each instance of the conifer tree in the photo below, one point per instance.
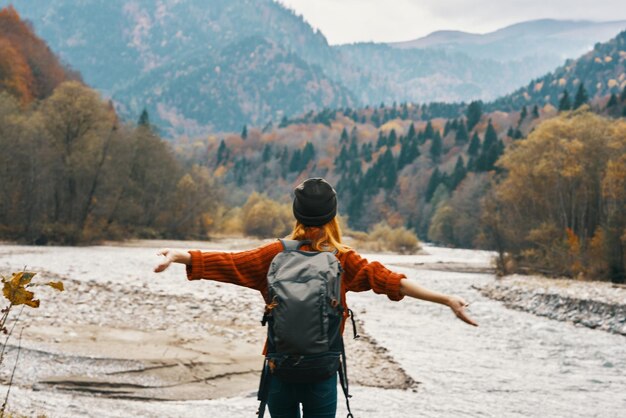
(391, 140)
(581, 96)
(354, 134)
(474, 145)
(471, 164)
(144, 119)
(390, 170)
(382, 140)
(510, 132)
(474, 113)
(565, 104)
(343, 139)
(244, 132)
(429, 132)
(366, 152)
(341, 162)
(522, 115)
(222, 153)
(375, 119)
(354, 149)
(461, 133)
(459, 173)
(535, 111)
(433, 183)
(267, 153)
(421, 138)
(491, 137)
(612, 101)
(294, 164)
(411, 134)
(284, 162)
(436, 147)
(405, 111)
(308, 154)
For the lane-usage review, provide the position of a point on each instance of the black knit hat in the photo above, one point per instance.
(315, 202)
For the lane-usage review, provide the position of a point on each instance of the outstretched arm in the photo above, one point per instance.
(244, 268)
(456, 303)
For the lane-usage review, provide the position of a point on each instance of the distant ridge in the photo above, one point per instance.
(535, 29)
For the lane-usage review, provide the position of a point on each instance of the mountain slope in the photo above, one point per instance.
(252, 80)
(602, 71)
(116, 40)
(430, 75)
(143, 54)
(29, 70)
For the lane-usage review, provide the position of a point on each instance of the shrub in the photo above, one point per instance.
(263, 217)
(382, 237)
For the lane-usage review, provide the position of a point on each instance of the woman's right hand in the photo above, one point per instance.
(171, 256)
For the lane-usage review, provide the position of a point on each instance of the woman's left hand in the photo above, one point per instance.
(458, 305)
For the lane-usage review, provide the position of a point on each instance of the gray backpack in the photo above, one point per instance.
(303, 318)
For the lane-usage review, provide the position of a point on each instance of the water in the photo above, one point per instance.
(513, 365)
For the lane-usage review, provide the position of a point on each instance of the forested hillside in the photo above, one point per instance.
(599, 73)
(28, 69)
(71, 171)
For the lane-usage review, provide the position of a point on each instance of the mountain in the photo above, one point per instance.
(459, 66)
(252, 80)
(601, 71)
(430, 75)
(550, 38)
(146, 51)
(202, 66)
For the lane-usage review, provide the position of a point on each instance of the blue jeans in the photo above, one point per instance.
(319, 400)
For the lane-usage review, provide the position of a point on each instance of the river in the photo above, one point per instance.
(514, 364)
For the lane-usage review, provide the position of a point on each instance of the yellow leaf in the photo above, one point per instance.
(22, 278)
(17, 295)
(32, 303)
(57, 285)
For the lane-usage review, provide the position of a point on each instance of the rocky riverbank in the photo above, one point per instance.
(121, 332)
(598, 305)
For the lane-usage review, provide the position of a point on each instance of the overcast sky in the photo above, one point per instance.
(345, 21)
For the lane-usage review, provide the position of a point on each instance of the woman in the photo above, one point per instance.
(315, 209)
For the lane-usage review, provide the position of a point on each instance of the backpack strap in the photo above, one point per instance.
(343, 379)
(263, 389)
(293, 245)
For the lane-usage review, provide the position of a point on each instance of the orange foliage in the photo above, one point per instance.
(29, 69)
(15, 74)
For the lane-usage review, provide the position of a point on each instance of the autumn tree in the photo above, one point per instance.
(264, 218)
(35, 65)
(564, 191)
